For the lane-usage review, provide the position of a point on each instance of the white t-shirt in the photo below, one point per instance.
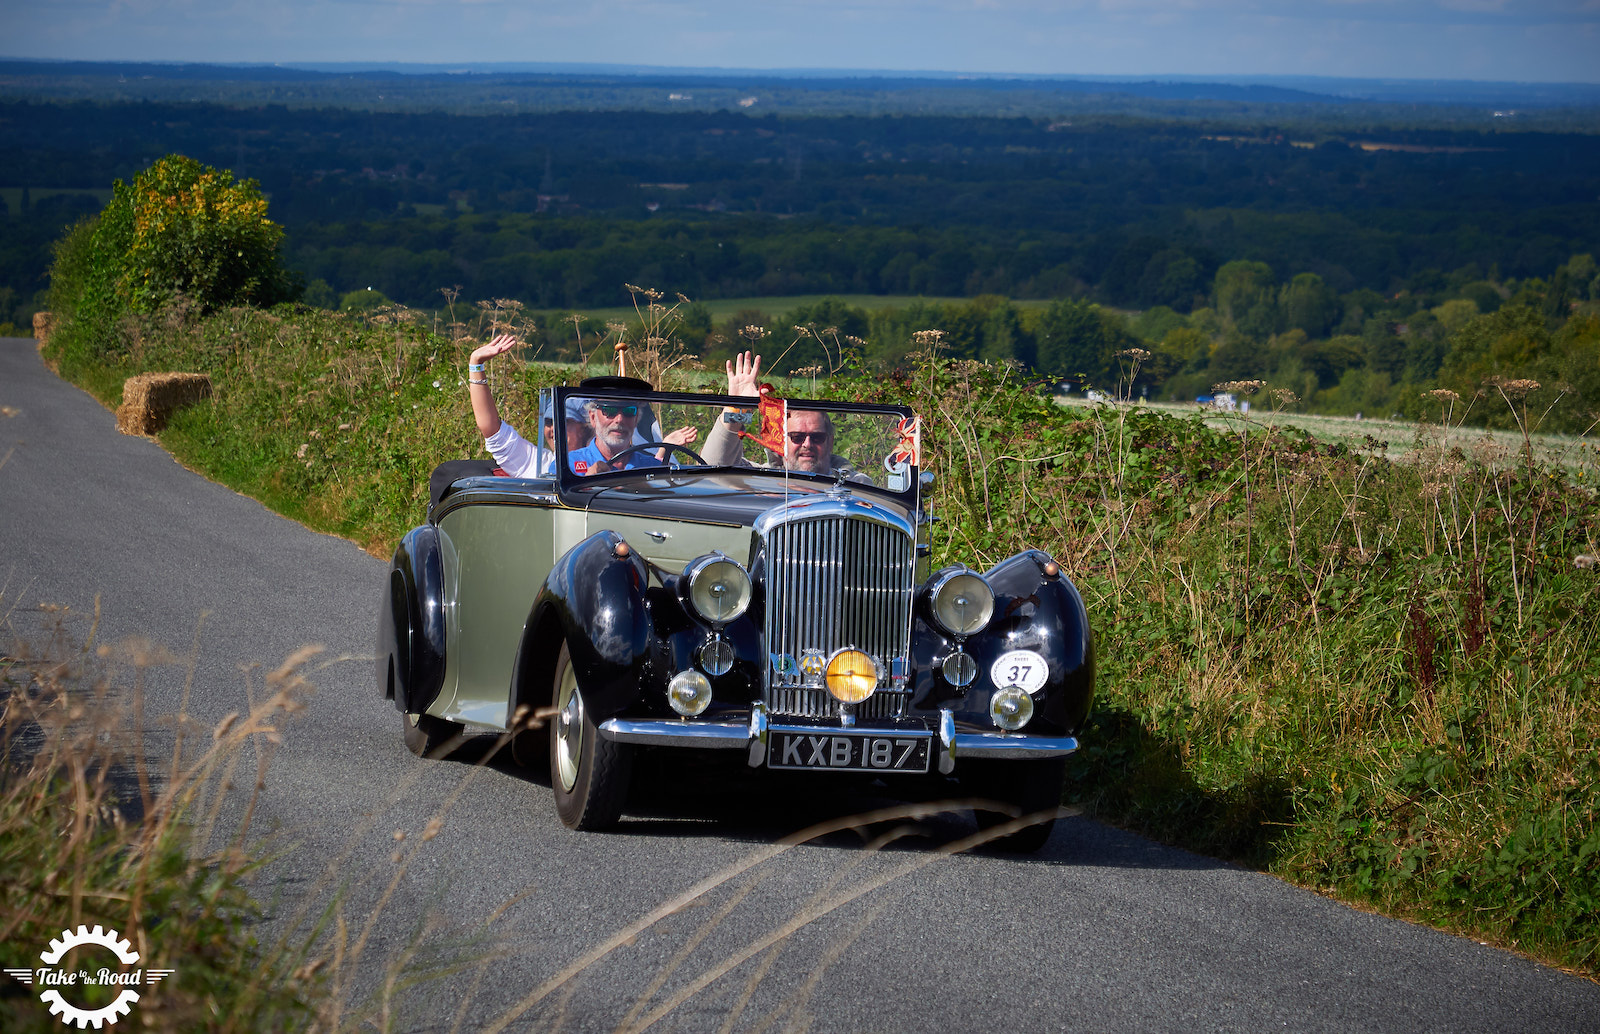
(517, 456)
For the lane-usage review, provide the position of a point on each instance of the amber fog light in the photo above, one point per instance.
(1011, 708)
(719, 589)
(689, 693)
(851, 677)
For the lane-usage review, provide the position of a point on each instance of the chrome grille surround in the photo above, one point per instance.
(840, 574)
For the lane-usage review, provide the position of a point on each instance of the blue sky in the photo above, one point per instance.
(1530, 40)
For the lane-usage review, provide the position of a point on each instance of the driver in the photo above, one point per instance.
(807, 438)
(520, 458)
(614, 422)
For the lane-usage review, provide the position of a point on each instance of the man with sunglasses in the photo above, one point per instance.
(807, 438)
(614, 423)
(520, 458)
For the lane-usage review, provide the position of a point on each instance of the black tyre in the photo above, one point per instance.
(427, 736)
(1028, 786)
(588, 775)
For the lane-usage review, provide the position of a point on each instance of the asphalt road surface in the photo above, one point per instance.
(1099, 931)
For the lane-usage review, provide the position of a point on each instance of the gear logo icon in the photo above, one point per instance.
(69, 939)
(83, 936)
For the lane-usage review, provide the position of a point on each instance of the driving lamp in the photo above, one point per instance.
(851, 676)
(1011, 708)
(719, 589)
(960, 669)
(689, 693)
(962, 602)
(716, 657)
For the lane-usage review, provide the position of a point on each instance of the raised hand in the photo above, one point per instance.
(494, 347)
(744, 371)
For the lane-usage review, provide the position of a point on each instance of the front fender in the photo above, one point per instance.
(1043, 613)
(411, 632)
(594, 599)
(1032, 611)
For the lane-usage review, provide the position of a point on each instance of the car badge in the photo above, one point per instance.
(813, 664)
(785, 665)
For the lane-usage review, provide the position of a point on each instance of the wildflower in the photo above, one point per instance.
(435, 384)
(1136, 354)
(1443, 395)
(300, 453)
(1239, 387)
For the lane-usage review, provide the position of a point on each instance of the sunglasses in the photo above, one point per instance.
(611, 411)
(801, 437)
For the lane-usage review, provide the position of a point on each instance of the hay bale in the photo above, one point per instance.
(43, 324)
(150, 399)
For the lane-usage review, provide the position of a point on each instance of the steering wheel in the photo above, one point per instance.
(699, 459)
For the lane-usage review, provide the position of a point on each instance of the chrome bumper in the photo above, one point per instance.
(685, 732)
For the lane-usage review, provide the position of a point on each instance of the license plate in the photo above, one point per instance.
(848, 751)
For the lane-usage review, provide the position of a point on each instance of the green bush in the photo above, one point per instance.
(178, 229)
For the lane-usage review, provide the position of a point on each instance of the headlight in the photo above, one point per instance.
(852, 676)
(719, 589)
(961, 602)
(689, 693)
(1011, 708)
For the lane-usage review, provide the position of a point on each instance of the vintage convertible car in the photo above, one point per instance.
(761, 589)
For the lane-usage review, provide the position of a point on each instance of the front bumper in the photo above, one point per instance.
(754, 735)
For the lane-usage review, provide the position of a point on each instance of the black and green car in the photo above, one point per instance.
(711, 596)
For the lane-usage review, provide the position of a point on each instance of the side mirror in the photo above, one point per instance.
(925, 478)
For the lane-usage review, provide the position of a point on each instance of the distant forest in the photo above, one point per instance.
(559, 210)
(1351, 231)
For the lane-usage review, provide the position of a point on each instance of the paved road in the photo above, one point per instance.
(1101, 931)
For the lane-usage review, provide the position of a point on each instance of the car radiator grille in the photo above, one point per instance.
(835, 583)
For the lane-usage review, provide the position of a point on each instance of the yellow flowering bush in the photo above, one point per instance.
(179, 227)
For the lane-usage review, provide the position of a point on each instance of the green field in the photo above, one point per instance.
(13, 195)
(778, 305)
(1396, 438)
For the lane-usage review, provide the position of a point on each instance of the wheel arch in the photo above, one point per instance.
(594, 601)
(411, 624)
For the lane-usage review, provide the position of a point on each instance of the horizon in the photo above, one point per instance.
(1543, 42)
(784, 72)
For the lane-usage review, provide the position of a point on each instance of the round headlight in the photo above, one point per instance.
(716, 657)
(852, 676)
(962, 602)
(719, 589)
(1011, 708)
(960, 669)
(689, 693)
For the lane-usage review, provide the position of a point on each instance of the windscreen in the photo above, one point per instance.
(634, 433)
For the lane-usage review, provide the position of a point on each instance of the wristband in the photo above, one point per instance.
(470, 381)
(476, 367)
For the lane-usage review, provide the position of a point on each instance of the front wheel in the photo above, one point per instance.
(1028, 786)
(588, 774)
(427, 736)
